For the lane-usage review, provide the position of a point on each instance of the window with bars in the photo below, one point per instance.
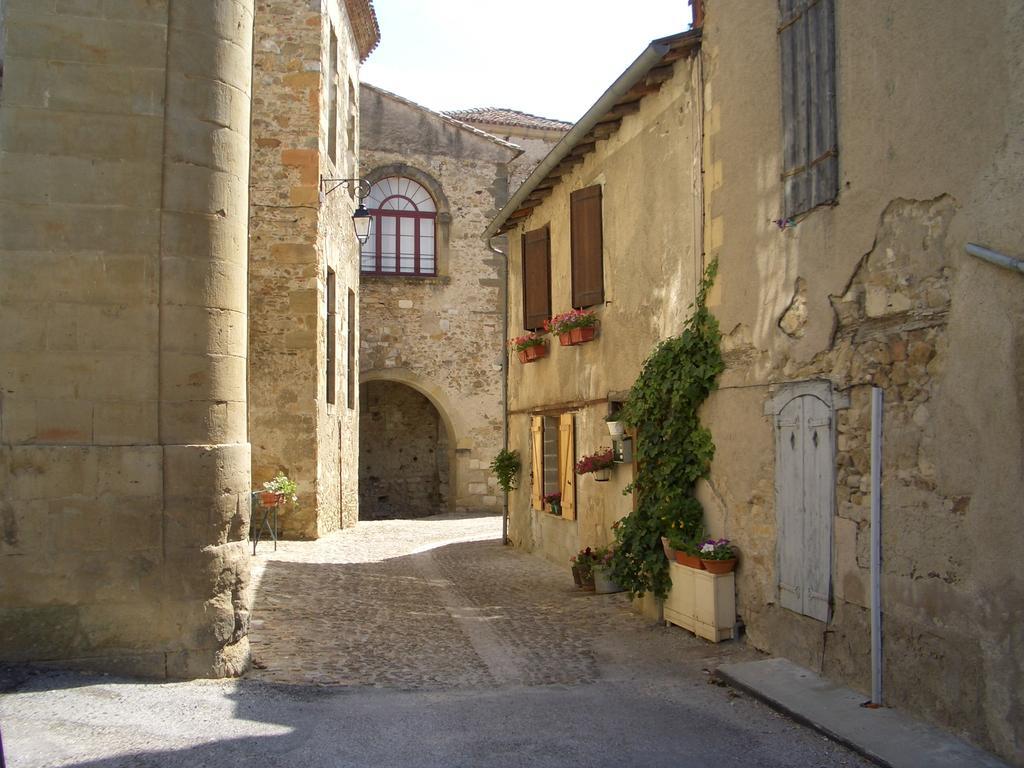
(810, 172)
(553, 457)
(403, 235)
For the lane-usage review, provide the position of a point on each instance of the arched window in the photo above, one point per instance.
(402, 239)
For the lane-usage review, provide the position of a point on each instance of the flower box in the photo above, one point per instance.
(533, 353)
(702, 602)
(582, 335)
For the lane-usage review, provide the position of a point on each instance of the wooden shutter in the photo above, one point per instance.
(810, 172)
(567, 465)
(804, 486)
(537, 462)
(536, 251)
(587, 246)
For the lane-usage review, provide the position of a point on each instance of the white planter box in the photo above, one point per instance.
(701, 602)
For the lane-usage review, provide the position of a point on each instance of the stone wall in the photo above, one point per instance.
(403, 465)
(295, 238)
(124, 461)
(443, 335)
(878, 290)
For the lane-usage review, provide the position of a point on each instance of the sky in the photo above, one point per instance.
(552, 58)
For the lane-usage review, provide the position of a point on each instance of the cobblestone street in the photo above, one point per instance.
(420, 643)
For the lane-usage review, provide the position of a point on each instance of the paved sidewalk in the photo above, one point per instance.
(421, 643)
(890, 737)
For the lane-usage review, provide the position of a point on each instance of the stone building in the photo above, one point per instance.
(534, 135)
(125, 462)
(124, 458)
(303, 255)
(840, 223)
(432, 310)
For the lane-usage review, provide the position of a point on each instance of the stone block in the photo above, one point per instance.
(17, 420)
(204, 283)
(49, 472)
(92, 135)
(203, 422)
(201, 329)
(84, 40)
(203, 190)
(73, 228)
(305, 194)
(851, 580)
(38, 632)
(186, 377)
(294, 253)
(190, 235)
(66, 87)
(64, 422)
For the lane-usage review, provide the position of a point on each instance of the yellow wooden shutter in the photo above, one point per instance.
(567, 468)
(537, 462)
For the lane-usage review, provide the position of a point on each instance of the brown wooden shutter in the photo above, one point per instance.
(536, 250)
(537, 462)
(810, 173)
(567, 465)
(587, 246)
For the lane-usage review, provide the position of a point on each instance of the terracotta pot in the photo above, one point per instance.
(583, 335)
(536, 352)
(692, 561)
(719, 566)
(565, 339)
(271, 499)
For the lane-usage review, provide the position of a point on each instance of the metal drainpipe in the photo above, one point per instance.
(994, 257)
(876, 547)
(504, 373)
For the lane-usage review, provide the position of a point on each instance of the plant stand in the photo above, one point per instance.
(268, 520)
(702, 602)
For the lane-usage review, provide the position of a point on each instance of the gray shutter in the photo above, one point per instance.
(789, 503)
(805, 472)
(810, 172)
(818, 495)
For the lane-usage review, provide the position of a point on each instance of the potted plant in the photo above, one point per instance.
(583, 568)
(278, 490)
(530, 347)
(599, 464)
(505, 466)
(573, 327)
(717, 556)
(616, 428)
(554, 500)
(686, 546)
(604, 584)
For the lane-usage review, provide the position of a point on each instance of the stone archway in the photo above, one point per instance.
(407, 453)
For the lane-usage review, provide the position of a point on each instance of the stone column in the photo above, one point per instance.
(203, 302)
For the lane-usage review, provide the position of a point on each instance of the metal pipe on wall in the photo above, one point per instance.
(876, 546)
(994, 257)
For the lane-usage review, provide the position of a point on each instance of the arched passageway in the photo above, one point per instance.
(405, 455)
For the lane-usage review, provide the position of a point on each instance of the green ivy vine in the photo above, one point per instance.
(673, 449)
(505, 466)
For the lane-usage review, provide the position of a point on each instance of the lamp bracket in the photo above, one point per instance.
(362, 186)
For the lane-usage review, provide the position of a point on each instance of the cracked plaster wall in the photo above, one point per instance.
(879, 291)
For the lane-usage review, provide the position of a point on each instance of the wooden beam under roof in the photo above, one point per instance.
(660, 74)
(604, 130)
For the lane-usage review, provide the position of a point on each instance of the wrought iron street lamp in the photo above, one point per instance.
(361, 218)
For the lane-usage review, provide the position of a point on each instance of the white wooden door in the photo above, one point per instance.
(805, 493)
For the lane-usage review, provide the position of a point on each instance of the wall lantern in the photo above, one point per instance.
(361, 218)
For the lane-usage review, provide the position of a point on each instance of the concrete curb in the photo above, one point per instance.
(885, 736)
